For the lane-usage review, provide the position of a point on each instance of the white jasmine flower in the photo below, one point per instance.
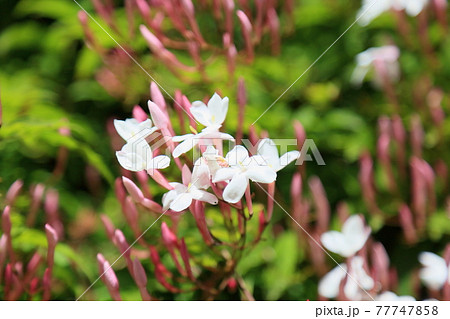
(193, 187)
(365, 61)
(435, 271)
(358, 281)
(352, 238)
(268, 150)
(138, 157)
(390, 296)
(242, 168)
(211, 116)
(371, 9)
(214, 160)
(131, 128)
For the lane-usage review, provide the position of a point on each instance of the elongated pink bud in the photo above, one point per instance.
(246, 27)
(52, 236)
(407, 223)
(158, 97)
(122, 243)
(6, 220)
(109, 227)
(199, 214)
(133, 189)
(33, 264)
(155, 45)
(111, 281)
(417, 136)
(52, 239)
(152, 206)
(51, 202)
(158, 116)
(154, 256)
(242, 102)
(160, 179)
(168, 236)
(139, 274)
(37, 193)
(131, 214)
(321, 204)
(13, 192)
(185, 256)
(418, 191)
(274, 26)
(366, 180)
(229, 8)
(399, 135)
(380, 262)
(120, 191)
(139, 114)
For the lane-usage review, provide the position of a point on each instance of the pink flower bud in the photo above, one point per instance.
(111, 281)
(158, 97)
(139, 114)
(160, 179)
(131, 214)
(158, 116)
(242, 102)
(139, 274)
(407, 223)
(321, 204)
(52, 236)
(274, 26)
(246, 27)
(33, 264)
(120, 191)
(380, 262)
(185, 256)
(122, 243)
(168, 236)
(109, 227)
(6, 220)
(152, 206)
(13, 192)
(133, 190)
(51, 202)
(153, 42)
(417, 136)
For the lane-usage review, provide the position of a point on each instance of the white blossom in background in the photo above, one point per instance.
(193, 187)
(390, 296)
(387, 56)
(357, 284)
(371, 9)
(352, 238)
(131, 128)
(242, 168)
(138, 156)
(211, 116)
(435, 271)
(268, 150)
(214, 160)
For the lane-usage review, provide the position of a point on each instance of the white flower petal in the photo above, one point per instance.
(204, 196)
(185, 146)
(329, 284)
(201, 113)
(268, 150)
(225, 174)
(237, 155)
(181, 138)
(235, 189)
(218, 108)
(335, 241)
(288, 158)
(262, 174)
(159, 162)
(168, 198)
(201, 174)
(435, 272)
(181, 202)
(356, 233)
